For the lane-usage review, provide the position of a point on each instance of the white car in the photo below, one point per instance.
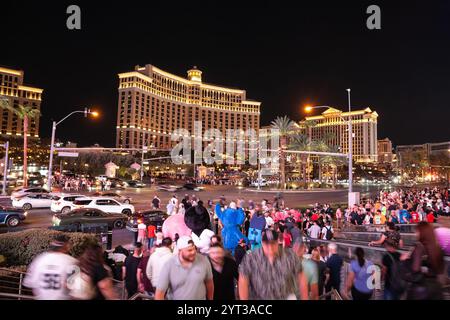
(104, 204)
(262, 183)
(30, 201)
(22, 191)
(170, 188)
(62, 203)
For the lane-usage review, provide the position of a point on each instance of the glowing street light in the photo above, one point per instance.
(86, 112)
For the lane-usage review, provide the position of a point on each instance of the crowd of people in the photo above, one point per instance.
(263, 250)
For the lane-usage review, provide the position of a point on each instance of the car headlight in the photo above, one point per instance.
(25, 213)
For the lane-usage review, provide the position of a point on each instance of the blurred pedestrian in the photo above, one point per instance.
(129, 270)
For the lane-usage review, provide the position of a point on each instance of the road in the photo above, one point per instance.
(141, 199)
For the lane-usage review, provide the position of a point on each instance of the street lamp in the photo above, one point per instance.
(350, 145)
(86, 111)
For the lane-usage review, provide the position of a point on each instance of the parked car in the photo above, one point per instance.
(114, 195)
(135, 184)
(22, 191)
(12, 217)
(108, 205)
(30, 201)
(192, 186)
(154, 217)
(170, 188)
(78, 217)
(62, 203)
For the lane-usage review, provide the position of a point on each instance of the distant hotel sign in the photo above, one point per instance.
(68, 154)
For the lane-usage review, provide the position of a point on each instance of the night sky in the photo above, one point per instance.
(284, 55)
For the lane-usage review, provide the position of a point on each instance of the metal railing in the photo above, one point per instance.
(142, 296)
(11, 286)
(11, 283)
(333, 294)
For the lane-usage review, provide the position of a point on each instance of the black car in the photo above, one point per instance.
(11, 217)
(135, 184)
(192, 186)
(154, 217)
(81, 216)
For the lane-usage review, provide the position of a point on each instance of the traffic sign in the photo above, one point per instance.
(68, 154)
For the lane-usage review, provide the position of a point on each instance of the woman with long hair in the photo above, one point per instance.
(424, 266)
(358, 277)
(94, 281)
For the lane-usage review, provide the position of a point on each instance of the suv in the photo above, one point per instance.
(11, 217)
(104, 204)
(154, 217)
(61, 203)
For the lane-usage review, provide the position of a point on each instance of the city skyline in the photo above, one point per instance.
(294, 62)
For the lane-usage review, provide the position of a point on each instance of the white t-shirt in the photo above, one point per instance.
(48, 274)
(314, 231)
(324, 231)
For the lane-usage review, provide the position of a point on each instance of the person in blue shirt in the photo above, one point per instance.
(404, 215)
(358, 282)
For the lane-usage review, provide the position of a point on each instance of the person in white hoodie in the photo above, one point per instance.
(157, 260)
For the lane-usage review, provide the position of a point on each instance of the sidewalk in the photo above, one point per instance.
(296, 191)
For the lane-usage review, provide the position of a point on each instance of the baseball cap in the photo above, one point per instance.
(184, 242)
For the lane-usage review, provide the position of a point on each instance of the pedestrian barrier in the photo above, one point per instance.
(142, 296)
(11, 283)
(333, 294)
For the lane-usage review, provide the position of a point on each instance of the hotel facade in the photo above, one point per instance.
(153, 103)
(13, 89)
(334, 123)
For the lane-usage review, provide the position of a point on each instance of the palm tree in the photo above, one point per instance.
(333, 162)
(285, 126)
(300, 142)
(23, 112)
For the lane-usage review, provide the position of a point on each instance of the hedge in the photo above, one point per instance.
(20, 248)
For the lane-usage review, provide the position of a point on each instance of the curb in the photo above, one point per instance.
(294, 191)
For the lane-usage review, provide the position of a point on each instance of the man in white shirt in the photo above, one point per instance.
(314, 231)
(157, 260)
(325, 228)
(49, 273)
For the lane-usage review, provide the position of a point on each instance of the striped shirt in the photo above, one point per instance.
(268, 281)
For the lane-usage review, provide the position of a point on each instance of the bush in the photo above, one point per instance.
(20, 248)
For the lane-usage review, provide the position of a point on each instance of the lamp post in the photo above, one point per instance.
(5, 167)
(86, 111)
(350, 146)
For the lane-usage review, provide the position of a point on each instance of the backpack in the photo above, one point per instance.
(398, 284)
(329, 234)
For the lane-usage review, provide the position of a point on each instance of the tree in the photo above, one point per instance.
(285, 126)
(24, 112)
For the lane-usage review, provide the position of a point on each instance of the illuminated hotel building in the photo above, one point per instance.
(12, 88)
(153, 103)
(333, 122)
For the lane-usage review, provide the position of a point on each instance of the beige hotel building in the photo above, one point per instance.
(12, 88)
(334, 122)
(153, 103)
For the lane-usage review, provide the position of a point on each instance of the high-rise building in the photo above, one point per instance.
(385, 154)
(153, 103)
(423, 154)
(13, 89)
(333, 124)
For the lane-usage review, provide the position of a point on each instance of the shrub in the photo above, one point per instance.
(20, 248)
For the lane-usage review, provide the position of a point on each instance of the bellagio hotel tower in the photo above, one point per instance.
(153, 103)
